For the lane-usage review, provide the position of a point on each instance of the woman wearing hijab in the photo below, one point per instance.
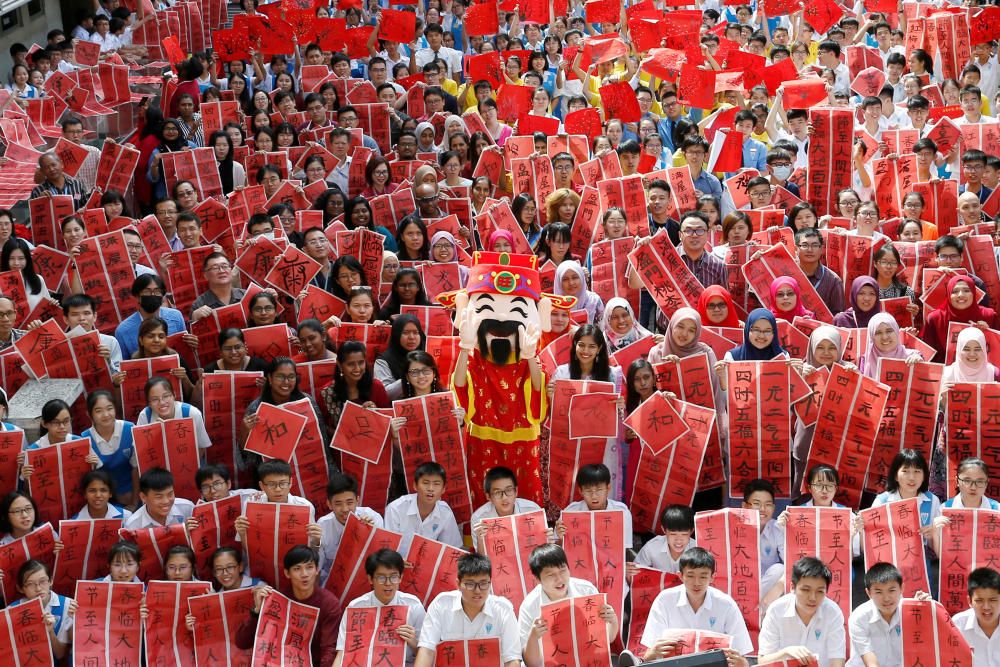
(961, 306)
(971, 361)
(682, 340)
(884, 343)
(865, 304)
(425, 141)
(500, 240)
(716, 307)
(760, 339)
(571, 280)
(444, 250)
(786, 299)
(620, 326)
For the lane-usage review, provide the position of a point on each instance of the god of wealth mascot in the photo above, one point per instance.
(498, 378)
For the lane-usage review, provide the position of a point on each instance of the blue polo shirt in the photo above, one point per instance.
(127, 332)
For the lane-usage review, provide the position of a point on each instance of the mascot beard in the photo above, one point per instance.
(498, 339)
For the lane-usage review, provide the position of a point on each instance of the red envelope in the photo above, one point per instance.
(620, 102)
(482, 19)
(398, 25)
(276, 432)
(87, 53)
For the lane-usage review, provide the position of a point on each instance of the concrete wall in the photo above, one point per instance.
(31, 22)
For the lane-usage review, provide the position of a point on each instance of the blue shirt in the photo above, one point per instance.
(127, 332)
(708, 184)
(754, 155)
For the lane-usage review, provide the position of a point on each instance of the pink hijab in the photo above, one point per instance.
(798, 311)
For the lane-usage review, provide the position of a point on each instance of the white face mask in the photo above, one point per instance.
(781, 173)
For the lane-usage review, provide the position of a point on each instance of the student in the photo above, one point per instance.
(470, 612)
(978, 624)
(424, 513)
(227, 570)
(123, 563)
(909, 477)
(500, 485)
(111, 440)
(342, 499)
(275, 478)
(162, 404)
(551, 570)
(973, 478)
(804, 622)
(664, 552)
(80, 310)
(179, 564)
(593, 481)
(385, 570)
(34, 582)
(98, 489)
(759, 495)
(215, 483)
(876, 625)
(160, 506)
(301, 565)
(694, 606)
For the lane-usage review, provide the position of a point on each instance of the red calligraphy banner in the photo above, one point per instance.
(892, 535)
(646, 584)
(577, 634)
(566, 455)
(84, 555)
(892, 180)
(154, 543)
(362, 432)
(116, 166)
(32, 346)
(215, 529)
(500, 216)
(310, 469)
(433, 569)
(47, 214)
(968, 542)
(276, 432)
(347, 578)
(371, 636)
(314, 375)
(761, 271)
(830, 166)
(226, 396)
(930, 638)
(375, 337)
(55, 482)
(11, 444)
(79, 357)
(824, 533)
(469, 653)
(434, 320)
(595, 549)
(610, 268)
(186, 275)
(627, 193)
(667, 279)
(657, 424)
(509, 541)
(198, 166)
(971, 428)
(433, 433)
(39, 544)
(172, 445)
(107, 274)
(168, 640)
(217, 618)
(24, 635)
(285, 631)
(732, 536)
(106, 628)
(274, 529)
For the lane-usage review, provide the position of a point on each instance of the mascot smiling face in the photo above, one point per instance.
(502, 311)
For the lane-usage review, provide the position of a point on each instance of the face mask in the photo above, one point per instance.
(781, 173)
(150, 304)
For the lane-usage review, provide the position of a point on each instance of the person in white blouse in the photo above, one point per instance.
(160, 507)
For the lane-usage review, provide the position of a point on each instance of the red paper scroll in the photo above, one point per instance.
(217, 618)
(107, 274)
(292, 271)
(656, 422)
(595, 549)
(732, 536)
(577, 636)
(610, 266)
(276, 432)
(371, 634)
(116, 167)
(775, 262)
(274, 529)
(78, 357)
(171, 445)
(671, 477)
(509, 541)
(432, 433)
(38, 545)
(645, 586)
(197, 166)
(24, 635)
(226, 396)
(760, 435)
(186, 277)
(565, 454)
(375, 337)
(830, 165)
(310, 470)
(468, 652)
(968, 542)
(85, 552)
(892, 535)
(668, 280)
(154, 543)
(930, 638)
(167, 637)
(215, 529)
(347, 574)
(106, 628)
(11, 443)
(55, 482)
(971, 428)
(910, 414)
(824, 533)
(284, 632)
(846, 428)
(361, 432)
(432, 570)
(46, 215)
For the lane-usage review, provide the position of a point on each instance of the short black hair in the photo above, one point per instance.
(300, 554)
(78, 301)
(546, 555)
(630, 146)
(145, 280)
(677, 518)
(273, 467)
(473, 564)
(430, 469)
(156, 479)
(883, 573)
(755, 485)
(974, 155)
(124, 548)
(907, 458)
(497, 474)
(809, 566)
(593, 473)
(387, 558)
(696, 557)
(831, 46)
(341, 483)
(949, 241)
(659, 184)
(210, 470)
(985, 578)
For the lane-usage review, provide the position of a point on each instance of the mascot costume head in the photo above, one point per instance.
(502, 311)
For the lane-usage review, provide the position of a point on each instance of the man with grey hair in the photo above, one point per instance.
(56, 182)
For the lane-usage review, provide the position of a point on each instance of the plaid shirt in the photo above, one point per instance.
(88, 170)
(72, 187)
(708, 269)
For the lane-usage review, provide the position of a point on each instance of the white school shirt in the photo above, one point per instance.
(824, 635)
(402, 516)
(333, 533)
(488, 511)
(179, 513)
(531, 608)
(870, 633)
(656, 554)
(718, 613)
(772, 545)
(114, 512)
(581, 506)
(200, 433)
(985, 650)
(414, 615)
(447, 621)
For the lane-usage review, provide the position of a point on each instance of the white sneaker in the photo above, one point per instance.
(628, 659)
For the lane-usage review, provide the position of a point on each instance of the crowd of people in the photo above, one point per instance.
(347, 181)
